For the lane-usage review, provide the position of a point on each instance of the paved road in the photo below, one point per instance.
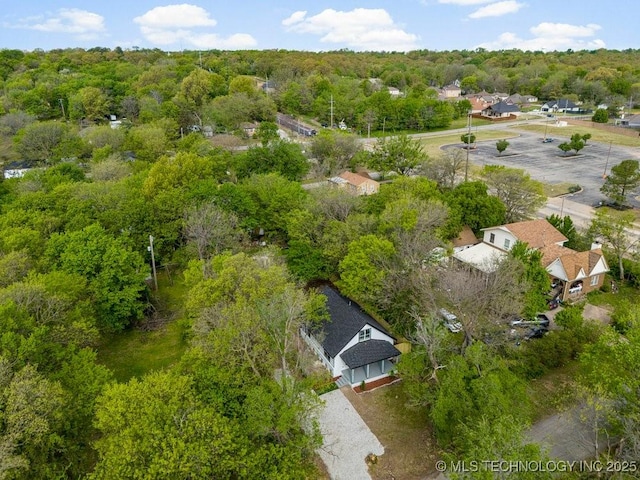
(567, 435)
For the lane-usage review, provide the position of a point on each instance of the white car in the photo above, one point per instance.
(450, 321)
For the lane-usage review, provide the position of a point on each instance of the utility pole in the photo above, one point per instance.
(153, 263)
(331, 106)
(468, 142)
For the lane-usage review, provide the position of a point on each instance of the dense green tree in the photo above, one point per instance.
(535, 276)
(39, 141)
(400, 154)
(168, 432)
(365, 267)
(115, 273)
(334, 151)
(611, 227)
(501, 146)
(281, 157)
(476, 208)
(600, 116)
(623, 177)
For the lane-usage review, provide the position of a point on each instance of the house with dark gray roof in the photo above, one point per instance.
(560, 105)
(500, 110)
(351, 344)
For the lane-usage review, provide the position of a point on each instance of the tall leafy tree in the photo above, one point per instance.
(612, 228)
(114, 272)
(521, 195)
(623, 177)
(400, 154)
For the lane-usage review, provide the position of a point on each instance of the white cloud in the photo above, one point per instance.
(80, 23)
(360, 29)
(173, 24)
(563, 30)
(497, 9)
(176, 16)
(550, 37)
(464, 2)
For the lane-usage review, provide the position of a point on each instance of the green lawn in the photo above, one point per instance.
(553, 392)
(134, 352)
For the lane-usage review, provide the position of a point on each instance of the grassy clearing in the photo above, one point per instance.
(410, 450)
(135, 352)
(626, 293)
(553, 392)
(555, 189)
(596, 135)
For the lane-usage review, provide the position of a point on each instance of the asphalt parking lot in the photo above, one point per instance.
(547, 163)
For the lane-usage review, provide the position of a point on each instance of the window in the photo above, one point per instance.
(594, 280)
(492, 237)
(507, 243)
(364, 335)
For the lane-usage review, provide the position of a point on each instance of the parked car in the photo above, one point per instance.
(450, 321)
(536, 332)
(547, 140)
(553, 303)
(541, 320)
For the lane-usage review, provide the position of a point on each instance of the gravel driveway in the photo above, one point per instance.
(347, 440)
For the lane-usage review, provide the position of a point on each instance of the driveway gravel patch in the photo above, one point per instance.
(347, 440)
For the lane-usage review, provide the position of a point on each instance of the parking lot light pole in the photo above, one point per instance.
(606, 165)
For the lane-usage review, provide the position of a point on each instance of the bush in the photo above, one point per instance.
(601, 116)
(574, 188)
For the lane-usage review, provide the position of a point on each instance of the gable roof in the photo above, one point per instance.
(561, 103)
(355, 178)
(347, 319)
(363, 353)
(503, 107)
(465, 237)
(535, 233)
(576, 265)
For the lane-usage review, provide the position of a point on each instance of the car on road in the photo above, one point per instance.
(547, 140)
(450, 321)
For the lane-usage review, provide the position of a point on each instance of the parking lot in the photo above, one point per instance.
(547, 163)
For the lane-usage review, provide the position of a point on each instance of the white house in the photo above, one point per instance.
(352, 345)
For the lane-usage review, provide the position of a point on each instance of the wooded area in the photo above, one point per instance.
(232, 222)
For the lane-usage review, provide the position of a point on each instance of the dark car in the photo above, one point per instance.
(553, 304)
(536, 332)
(547, 140)
(542, 320)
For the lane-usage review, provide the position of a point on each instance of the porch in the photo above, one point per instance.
(366, 373)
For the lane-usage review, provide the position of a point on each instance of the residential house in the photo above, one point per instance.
(563, 105)
(632, 121)
(356, 183)
(465, 239)
(351, 344)
(576, 272)
(478, 104)
(452, 91)
(500, 110)
(517, 99)
(249, 128)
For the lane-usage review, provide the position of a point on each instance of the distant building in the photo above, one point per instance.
(355, 183)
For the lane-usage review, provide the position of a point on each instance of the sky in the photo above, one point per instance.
(320, 26)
